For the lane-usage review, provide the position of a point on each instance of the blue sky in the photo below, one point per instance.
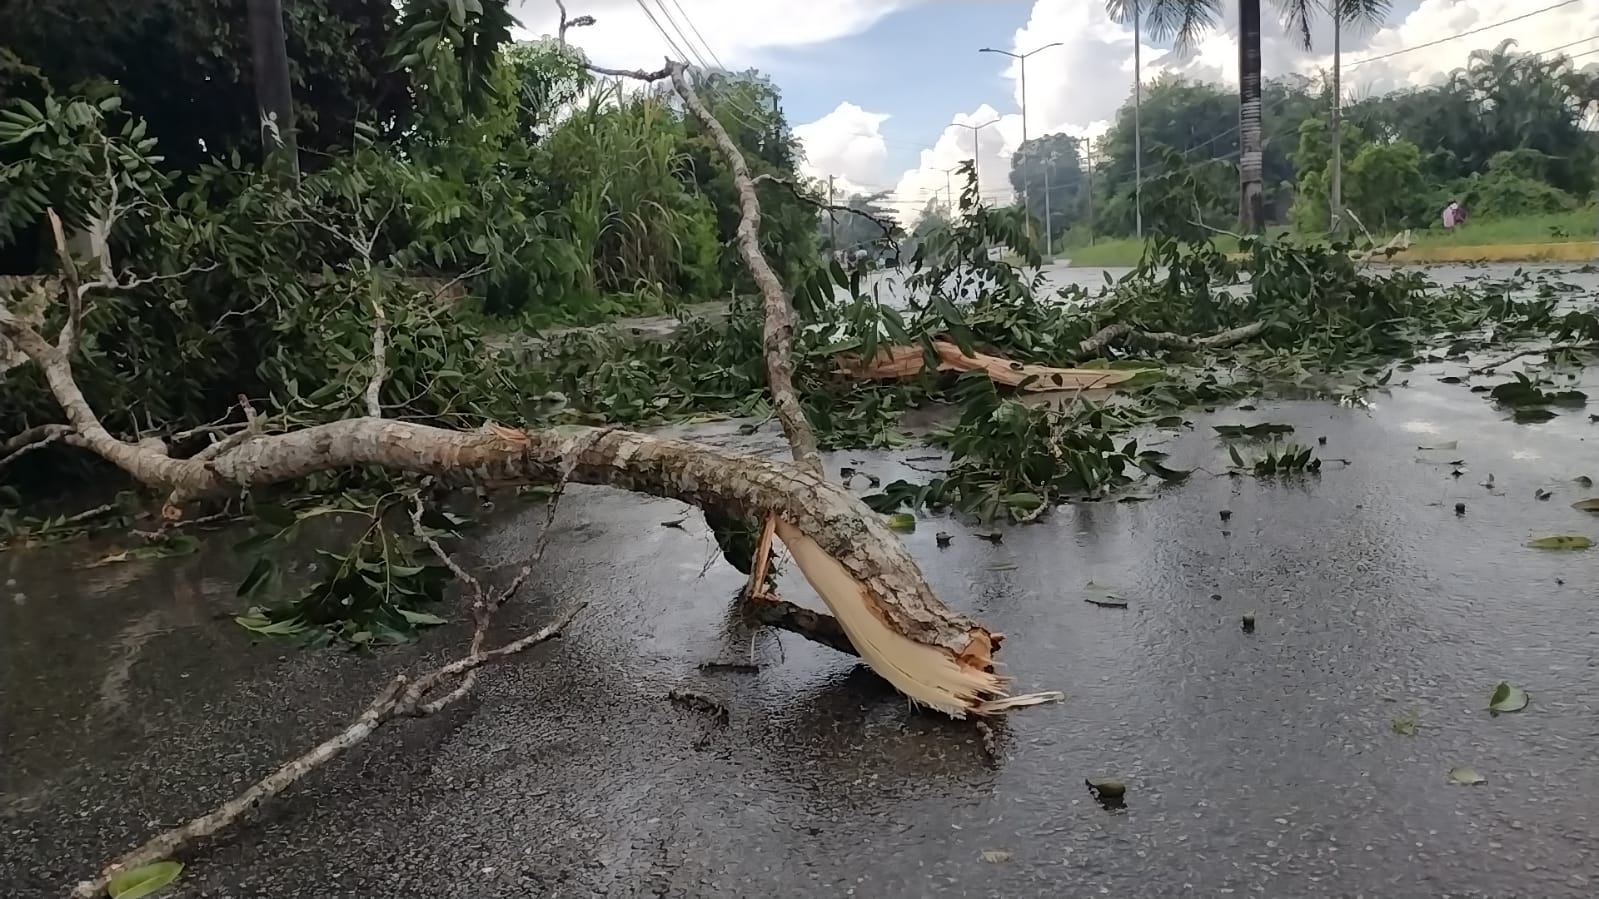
(938, 41)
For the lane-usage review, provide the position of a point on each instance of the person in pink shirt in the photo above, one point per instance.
(1452, 215)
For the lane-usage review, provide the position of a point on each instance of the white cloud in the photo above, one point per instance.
(848, 143)
(1077, 87)
(733, 30)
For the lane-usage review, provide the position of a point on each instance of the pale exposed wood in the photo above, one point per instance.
(908, 361)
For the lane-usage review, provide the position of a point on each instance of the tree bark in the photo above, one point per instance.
(1251, 155)
(778, 336)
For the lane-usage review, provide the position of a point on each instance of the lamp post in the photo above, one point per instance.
(977, 174)
(1021, 60)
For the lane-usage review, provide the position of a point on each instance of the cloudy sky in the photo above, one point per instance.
(877, 87)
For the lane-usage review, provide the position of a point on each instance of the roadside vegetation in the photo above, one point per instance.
(1505, 136)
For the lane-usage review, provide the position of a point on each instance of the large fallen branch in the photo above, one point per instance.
(931, 653)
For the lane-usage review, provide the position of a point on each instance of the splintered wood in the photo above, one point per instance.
(894, 363)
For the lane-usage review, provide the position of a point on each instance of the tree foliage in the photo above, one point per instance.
(1533, 107)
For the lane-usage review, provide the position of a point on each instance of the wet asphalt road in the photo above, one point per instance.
(1257, 764)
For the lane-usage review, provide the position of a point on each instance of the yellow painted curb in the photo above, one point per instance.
(1565, 251)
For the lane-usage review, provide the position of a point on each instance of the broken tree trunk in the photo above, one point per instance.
(933, 655)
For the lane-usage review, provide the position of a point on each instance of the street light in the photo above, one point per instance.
(977, 175)
(1021, 59)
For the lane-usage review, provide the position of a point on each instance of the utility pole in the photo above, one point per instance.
(1090, 142)
(1336, 194)
(1021, 59)
(977, 175)
(1138, 130)
(1049, 231)
(274, 98)
(832, 220)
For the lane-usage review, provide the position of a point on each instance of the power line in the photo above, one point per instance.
(1572, 44)
(657, 23)
(695, 28)
(1443, 40)
(667, 15)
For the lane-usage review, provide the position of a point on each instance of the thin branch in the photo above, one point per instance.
(253, 426)
(380, 365)
(35, 438)
(399, 697)
(1109, 334)
(1531, 351)
(565, 23)
(638, 74)
(888, 225)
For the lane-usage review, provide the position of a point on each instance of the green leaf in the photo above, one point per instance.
(1152, 466)
(903, 522)
(1023, 502)
(1587, 505)
(1265, 429)
(1531, 415)
(144, 880)
(260, 625)
(1507, 697)
(1238, 460)
(422, 618)
(1103, 596)
(276, 516)
(259, 574)
(1466, 776)
(1561, 541)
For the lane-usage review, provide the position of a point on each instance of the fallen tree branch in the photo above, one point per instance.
(397, 698)
(1531, 351)
(778, 337)
(888, 227)
(1104, 337)
(887, 589)
(1227, 338)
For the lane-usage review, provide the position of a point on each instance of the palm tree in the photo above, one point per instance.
(1184, 21)
(1297, 16)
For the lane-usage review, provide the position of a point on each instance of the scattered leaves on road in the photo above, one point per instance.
(1466, 776)
(1561, 541)
(1507, 697)
(1406, 724)
(145, 880)
(995, 856)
